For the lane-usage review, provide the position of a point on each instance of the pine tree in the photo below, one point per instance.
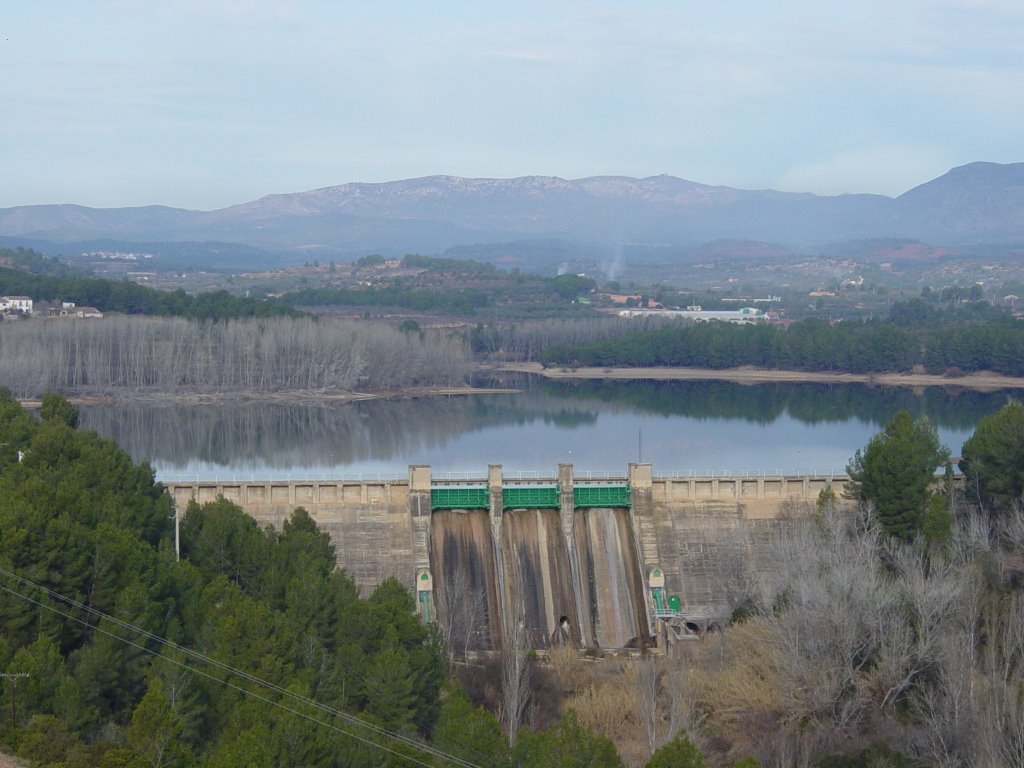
(895, 471)
(678, 753)
(993, 458)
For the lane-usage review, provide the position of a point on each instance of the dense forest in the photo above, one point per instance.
(45, 279)
(259, 356)
(86, 536)
(526, 340)
(938, 345)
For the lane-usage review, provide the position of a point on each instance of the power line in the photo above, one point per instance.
(195, 655)
(201, 657)
(211, 677)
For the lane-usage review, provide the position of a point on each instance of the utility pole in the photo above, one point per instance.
(177, 532)
(14, 677)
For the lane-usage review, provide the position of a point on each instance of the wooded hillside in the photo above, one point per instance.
(811, 345)
(45, 279)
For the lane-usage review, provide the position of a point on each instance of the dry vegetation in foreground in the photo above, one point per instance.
(888, 653)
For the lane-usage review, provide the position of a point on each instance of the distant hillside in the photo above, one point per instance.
(976, 203)
(25, 272)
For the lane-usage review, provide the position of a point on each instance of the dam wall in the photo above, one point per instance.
(569, 559)
(711, 536)
(371, 524)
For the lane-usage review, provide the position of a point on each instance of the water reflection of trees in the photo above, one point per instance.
(315, 435)
(807, 403)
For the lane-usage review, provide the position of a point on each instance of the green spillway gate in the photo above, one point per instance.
(456, 497)
(530, 497)
(601, 496)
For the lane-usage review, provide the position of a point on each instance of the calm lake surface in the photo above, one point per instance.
(599, 426)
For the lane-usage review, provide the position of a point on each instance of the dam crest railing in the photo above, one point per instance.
(259, 476)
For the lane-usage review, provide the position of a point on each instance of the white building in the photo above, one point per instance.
(747, 315)
(21, 304)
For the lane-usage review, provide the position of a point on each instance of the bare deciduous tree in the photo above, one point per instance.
(465, 613)
(834, 599)
(515, 676)
(170, 354)
(664, 699)
(646, 674)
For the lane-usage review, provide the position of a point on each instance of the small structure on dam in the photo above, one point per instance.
(589, 562)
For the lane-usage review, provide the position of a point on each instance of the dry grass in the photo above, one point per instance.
(607, 707)
(739, 689)
(727, 691)
(743, 678)
(568, 668)
(609, 701)
(730, 692)
(603, 695)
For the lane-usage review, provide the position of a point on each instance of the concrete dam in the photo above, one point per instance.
(591, 562)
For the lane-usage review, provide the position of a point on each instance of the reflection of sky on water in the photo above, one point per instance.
(673, 444)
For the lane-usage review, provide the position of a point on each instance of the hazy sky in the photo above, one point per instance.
(207, 103)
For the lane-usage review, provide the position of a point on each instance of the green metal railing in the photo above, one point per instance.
(601, 496)
(460, 498)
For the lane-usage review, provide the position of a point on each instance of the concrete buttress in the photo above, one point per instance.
(496, 499)
(419, 505)
(567, 517)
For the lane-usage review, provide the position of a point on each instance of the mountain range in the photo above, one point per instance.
(971, 204)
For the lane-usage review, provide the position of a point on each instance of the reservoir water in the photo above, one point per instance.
(598, 426)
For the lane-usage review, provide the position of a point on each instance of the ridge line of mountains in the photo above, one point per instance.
(978, 203)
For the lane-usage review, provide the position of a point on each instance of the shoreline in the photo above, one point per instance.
(291, 397)
(984, 381)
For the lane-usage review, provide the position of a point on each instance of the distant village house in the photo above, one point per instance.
(23, 306)
(18, 304)
(70, 309)
(632, 300)
(85, 312)
(745, 316)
